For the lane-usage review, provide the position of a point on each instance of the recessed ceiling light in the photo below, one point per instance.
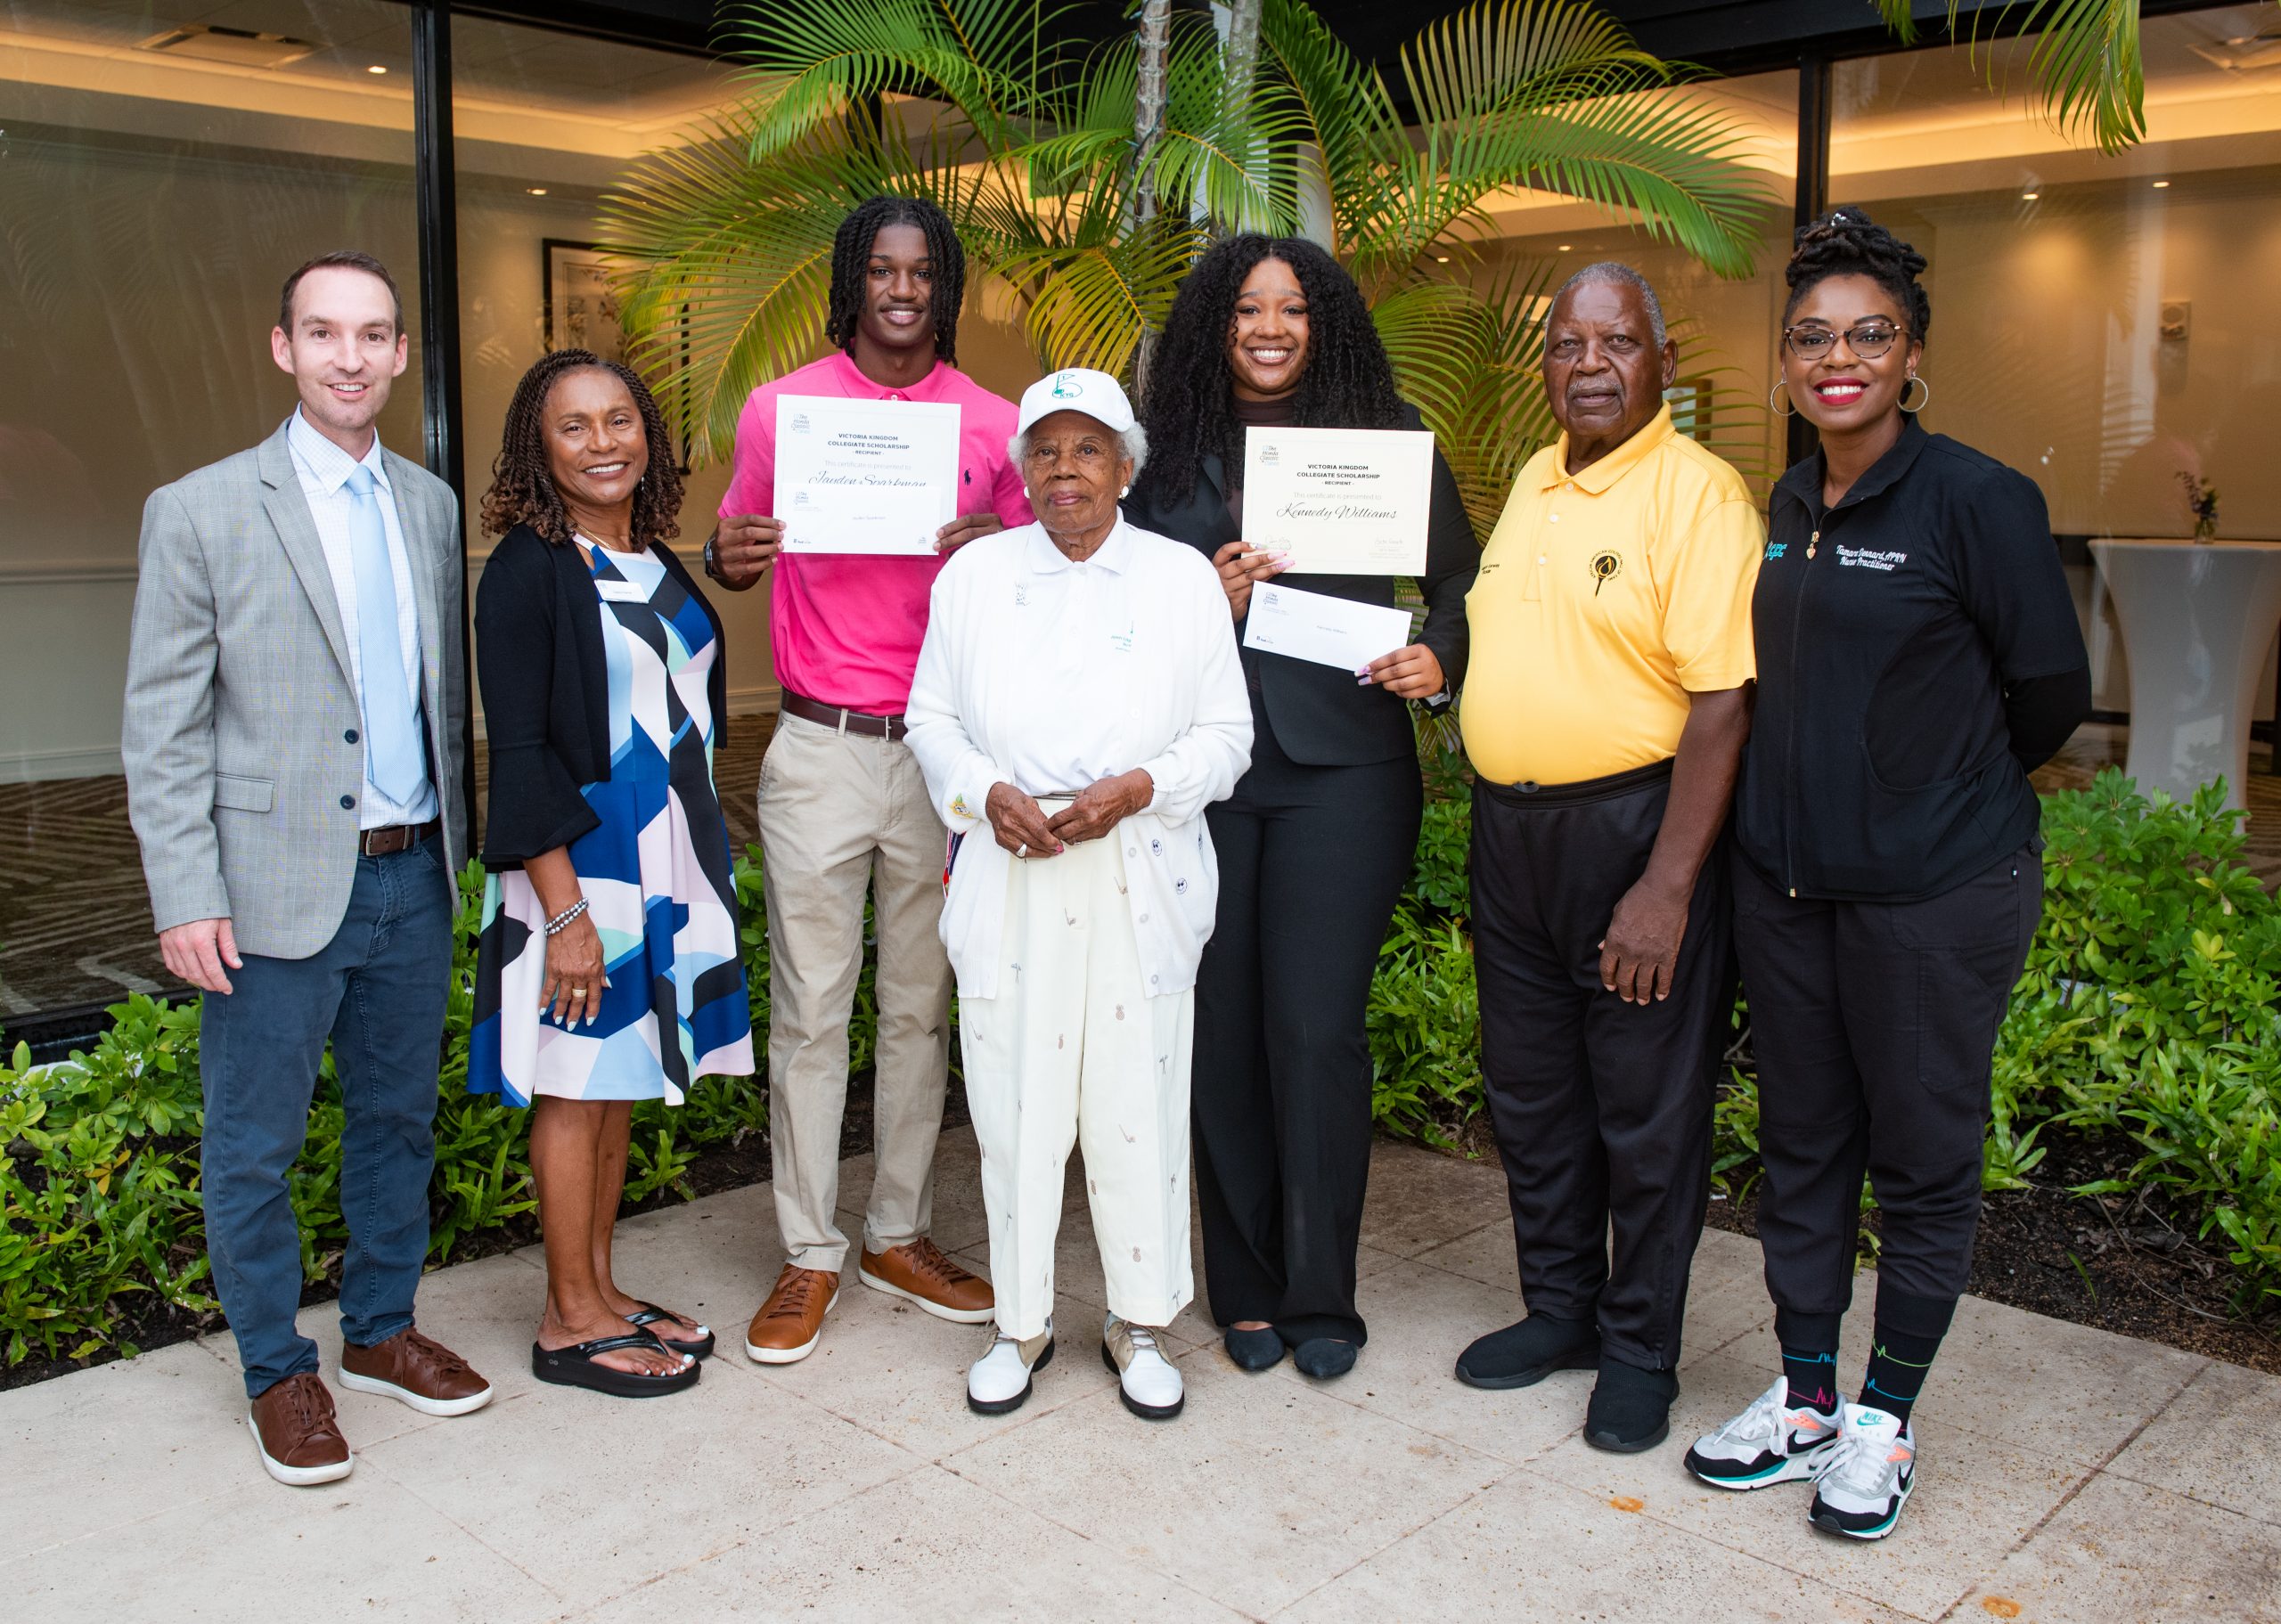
(1441, 259)
(2160, 184)
(2030, 197)
(1563, 248)
(376, 67)
(536, 191)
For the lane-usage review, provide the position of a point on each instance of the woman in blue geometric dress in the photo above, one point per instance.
(609, 969)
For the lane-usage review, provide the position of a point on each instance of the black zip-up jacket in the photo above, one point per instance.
(1317, 716)
(1918, 653)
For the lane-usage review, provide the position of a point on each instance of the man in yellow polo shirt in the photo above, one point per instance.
(1605, 714)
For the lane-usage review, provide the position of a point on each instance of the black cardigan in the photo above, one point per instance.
(1319, 717)
(538, 657)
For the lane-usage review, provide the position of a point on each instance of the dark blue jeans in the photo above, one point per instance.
(377, 991)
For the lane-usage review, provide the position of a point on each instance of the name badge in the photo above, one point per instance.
(621, 591)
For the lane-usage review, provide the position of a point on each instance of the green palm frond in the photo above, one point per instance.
(2086, 62)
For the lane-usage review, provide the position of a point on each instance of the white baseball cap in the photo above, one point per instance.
(1076, 388)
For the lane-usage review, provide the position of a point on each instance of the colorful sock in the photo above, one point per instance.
(1898, 1362)
(1813, 1375)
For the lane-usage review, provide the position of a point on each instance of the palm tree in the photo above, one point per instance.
(2085, 63)
(1028, 144)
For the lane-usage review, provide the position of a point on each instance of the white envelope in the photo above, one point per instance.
(1325, 630)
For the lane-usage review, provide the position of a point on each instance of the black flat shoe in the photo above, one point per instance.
(1261, 1349)
(575, 1367)
(649, 1314)
(1525, 1353)
(1631, 1408)
(1324, 1358)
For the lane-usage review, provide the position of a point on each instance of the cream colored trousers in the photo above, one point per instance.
(838, 814)
(1071, 1051)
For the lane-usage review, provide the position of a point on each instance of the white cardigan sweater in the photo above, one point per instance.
(1185, 719)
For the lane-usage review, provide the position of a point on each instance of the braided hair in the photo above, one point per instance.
(1845, 242)
(1348, 382)
(522, 490)
(851, 260)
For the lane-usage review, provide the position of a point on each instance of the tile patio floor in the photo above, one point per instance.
(2102, 1479)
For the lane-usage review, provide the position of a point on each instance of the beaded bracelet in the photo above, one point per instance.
(562, 921)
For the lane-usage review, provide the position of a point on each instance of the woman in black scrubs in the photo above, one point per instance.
(1317, 840)
(1917, 656)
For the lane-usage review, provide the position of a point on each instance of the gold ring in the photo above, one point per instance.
(577, 992)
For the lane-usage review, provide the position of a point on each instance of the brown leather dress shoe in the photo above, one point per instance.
(415, 1370)
(921, 1273)
(791, 1323)
(295, 1435)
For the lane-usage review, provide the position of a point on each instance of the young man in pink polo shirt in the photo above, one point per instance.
(842, 803)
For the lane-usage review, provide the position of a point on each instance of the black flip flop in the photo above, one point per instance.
(649, 1313)
(575, 1367)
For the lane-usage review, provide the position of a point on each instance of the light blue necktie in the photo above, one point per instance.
(391, 732)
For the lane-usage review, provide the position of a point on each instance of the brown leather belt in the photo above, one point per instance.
(841, 721)
(396, 837)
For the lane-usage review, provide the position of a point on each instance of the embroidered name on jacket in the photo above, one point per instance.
(1861, 557)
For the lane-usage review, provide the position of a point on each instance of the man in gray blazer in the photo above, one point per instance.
(293, 746)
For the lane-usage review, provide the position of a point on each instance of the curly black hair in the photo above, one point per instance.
(1846, 242)
(851, 259)
(522, 490)
(1348, 382)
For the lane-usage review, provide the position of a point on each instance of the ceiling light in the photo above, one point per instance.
(2159, 185)
(1563, 248)
(376, 67)
(1441, 259)
(536, 191)
(2030, 197)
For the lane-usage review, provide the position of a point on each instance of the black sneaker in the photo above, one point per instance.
(1631, 1408)
(1523, 1354)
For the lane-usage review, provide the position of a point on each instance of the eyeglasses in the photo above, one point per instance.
(1811, 341)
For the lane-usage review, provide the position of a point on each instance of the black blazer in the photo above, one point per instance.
(545, 684)
(1322, 717)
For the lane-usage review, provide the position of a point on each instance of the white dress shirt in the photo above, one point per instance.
(324, 470)
(1050, 676)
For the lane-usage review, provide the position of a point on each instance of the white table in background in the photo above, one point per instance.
(2197, 618)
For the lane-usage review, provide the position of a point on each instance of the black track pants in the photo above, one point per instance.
(1602, 1109)
(1873, 1023)
(1311, 859)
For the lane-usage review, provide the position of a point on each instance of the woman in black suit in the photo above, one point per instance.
(1317, 840)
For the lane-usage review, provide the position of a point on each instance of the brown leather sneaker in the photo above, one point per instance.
(294, 1433)
(415, 1370)
(791, 1323)
(921, 1273)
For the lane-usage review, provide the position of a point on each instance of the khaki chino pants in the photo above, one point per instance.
(840, 812)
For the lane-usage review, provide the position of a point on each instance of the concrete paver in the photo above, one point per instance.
(2069, 1473)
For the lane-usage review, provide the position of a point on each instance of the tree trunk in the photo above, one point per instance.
(1148, 129)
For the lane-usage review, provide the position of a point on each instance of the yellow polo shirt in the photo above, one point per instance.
(1606, 598)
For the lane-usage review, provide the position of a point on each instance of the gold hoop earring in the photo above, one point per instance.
(1923, 400)
(1786, 409)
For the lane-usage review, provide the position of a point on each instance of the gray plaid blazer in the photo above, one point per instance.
(239, 701)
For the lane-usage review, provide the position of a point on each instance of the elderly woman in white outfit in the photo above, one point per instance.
(1078, 703)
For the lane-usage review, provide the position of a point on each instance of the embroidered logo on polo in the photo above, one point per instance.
(1863, 557)
(1606, 565)
(1775, 550)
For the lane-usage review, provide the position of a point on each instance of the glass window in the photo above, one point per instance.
(159, 181)
(543, 124)
(1725, 327)
(2107, 325)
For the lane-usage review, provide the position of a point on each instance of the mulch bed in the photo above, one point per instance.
(715, 1168)
(2123, 1263)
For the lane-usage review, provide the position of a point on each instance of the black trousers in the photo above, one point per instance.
(1312, 861)
(1602, 1109)
(1872, 1025)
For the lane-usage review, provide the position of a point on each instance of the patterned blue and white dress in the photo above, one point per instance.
(656, 875)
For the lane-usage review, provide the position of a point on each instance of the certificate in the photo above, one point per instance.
(1341, 502)
(866, 475)
(1316, 627)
